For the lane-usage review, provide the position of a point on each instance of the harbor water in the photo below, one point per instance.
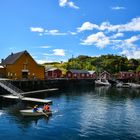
(83, 112)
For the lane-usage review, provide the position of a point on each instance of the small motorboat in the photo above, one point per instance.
(134, 85)
(123, 85)
(31, 112)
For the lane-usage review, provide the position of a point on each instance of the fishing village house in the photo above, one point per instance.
(126, 75)
(53, 73)
(105, 75)
(22, 66)
(93, 74)
(80, 74)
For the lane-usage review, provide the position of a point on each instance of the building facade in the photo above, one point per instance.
(53, 73)
(83, 74)
(105, 75)
(22, 66)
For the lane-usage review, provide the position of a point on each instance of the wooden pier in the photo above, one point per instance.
(27, 99)
(39, 91)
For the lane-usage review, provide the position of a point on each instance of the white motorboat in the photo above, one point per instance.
(102, 82)
(123, 85)
(134, 85)
(128, 85)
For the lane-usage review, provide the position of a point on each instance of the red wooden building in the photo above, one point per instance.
(126, 75)
(93, 74)
(80, 74)
(53, 73)
(105, 75)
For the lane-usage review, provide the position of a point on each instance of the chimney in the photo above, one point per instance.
(11, 53)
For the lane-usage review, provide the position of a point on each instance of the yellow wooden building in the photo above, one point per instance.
(22, 66)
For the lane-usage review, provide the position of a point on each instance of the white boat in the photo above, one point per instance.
(123, 85)
(102, 82)
(30, 112)
(134, 85)
(128, 85)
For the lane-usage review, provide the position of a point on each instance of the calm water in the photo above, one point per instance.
(78, 113)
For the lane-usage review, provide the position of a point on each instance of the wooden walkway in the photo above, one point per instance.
(27, 99)
(38, 91)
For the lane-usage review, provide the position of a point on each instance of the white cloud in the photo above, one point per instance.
(87, 26)
(63, 3)
(36, 29)
(41, 61)
(128, 46)
(45, 47)
(132, 39)
(54, 32)
(43, 31)
(99, 39)
(59, 52)
(118, 8)
(72, 33)
(55, 52)
(117, 35)
(72, 5)
(133, 25)
(134, 53)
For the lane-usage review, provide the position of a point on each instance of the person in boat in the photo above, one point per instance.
(35, 109)
(46, 108)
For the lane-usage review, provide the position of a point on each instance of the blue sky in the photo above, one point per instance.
(56, 30)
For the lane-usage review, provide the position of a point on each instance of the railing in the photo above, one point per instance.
(11, 88)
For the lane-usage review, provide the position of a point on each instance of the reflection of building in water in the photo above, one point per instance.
(102, 89)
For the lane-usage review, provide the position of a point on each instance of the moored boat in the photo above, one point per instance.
(123, 85)
(102, 82)
(134, 85)
(128, 85)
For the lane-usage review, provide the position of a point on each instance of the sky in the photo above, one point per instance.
(57, 30)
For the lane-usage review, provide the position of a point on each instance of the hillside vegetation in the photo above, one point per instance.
(110, 63)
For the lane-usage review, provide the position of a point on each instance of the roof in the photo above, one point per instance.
(79, 71)
(104, 72)
(92, 72)
(12, 58)
(52, 69)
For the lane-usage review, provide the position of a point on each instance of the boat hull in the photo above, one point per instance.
(30, 112)
(102, 83)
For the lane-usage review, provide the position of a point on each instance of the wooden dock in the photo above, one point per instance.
(38, 91)
(27, 99)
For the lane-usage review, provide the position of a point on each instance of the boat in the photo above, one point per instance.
(134, 85)
(30, 112)
(102, 82)
(128, 85)
(123, 85)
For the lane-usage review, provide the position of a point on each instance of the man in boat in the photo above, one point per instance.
(46, 108)
(35, 109)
